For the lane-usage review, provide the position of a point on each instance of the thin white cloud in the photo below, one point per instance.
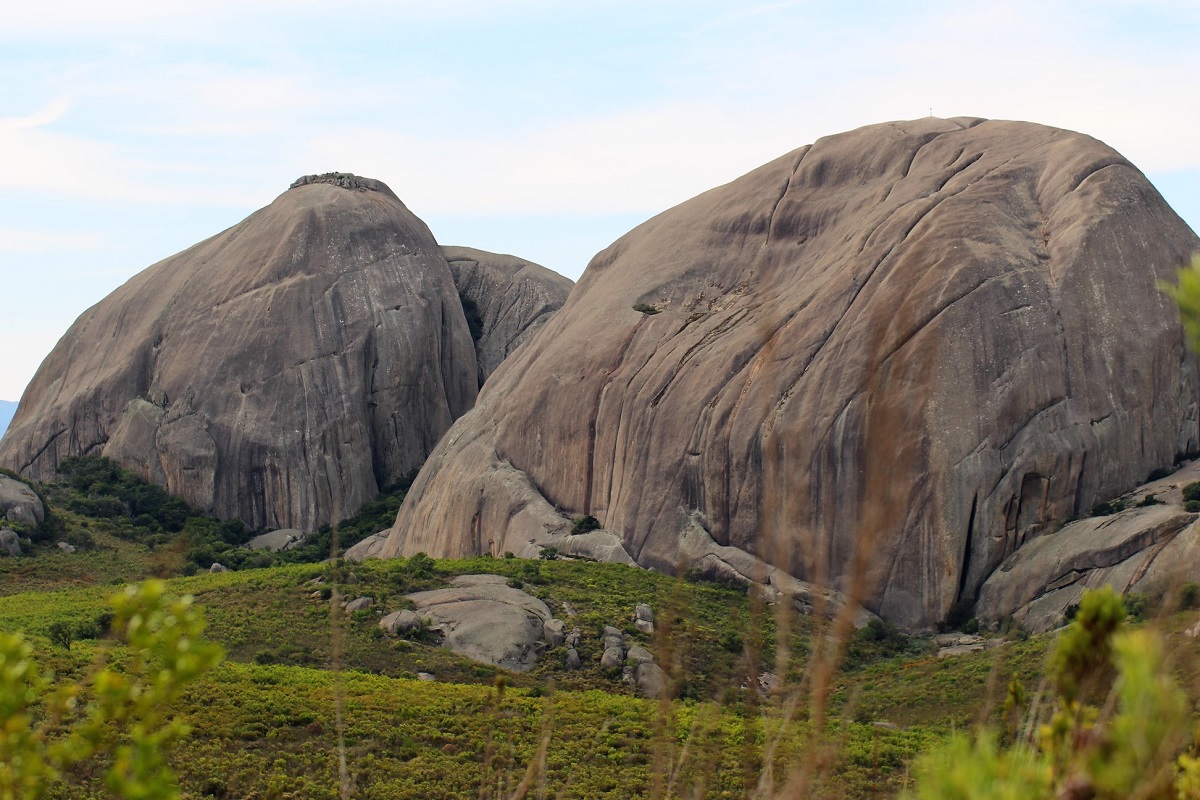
(34, 241)
(52, 112)
(641, 161)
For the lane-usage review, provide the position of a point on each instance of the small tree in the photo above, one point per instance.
(127, 715)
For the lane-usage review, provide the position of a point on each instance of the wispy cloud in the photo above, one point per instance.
(33, 241)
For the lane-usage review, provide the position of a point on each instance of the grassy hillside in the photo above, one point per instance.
(264, 726)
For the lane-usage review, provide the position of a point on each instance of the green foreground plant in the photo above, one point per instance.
(1117, 728)
(122, 714)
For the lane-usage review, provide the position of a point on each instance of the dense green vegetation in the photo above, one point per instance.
(126, 529)
(263, 723)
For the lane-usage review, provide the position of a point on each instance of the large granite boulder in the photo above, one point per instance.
(505, 299)
(882, 362)
(483, 618)
(280, 372)
(20, 503)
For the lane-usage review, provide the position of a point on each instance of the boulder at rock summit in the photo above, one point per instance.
(280, 372)
(881, 363)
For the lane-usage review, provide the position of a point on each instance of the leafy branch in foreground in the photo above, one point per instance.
(123, 714)
(1187, 295)
(1128, 746)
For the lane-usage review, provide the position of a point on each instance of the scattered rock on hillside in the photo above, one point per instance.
(643, 618)
(613, 655)
(19, 503)
(66, 547)
(275, 541)
(400, 622)
(553, 632)
(651, 680)
(358, 604)
(483, 618)
(218, 568)
(10, 544)
(930, 340)
(571, 659)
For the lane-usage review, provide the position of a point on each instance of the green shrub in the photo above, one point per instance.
(1108, 508)
(548, 553)
(1191, 506)
(645, 309)
(61, 634)
(125, 720)
(1131, 748)
(1191, 491)
(1189, 594)
(584, 524)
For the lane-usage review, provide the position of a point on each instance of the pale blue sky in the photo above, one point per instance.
(130, 129)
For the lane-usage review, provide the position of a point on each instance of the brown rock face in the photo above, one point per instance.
(912, 346)
(505, 298)
(280, 372)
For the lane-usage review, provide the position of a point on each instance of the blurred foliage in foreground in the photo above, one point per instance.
(1137, 740)
(119, 715)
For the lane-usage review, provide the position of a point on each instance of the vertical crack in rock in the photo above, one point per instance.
(786, 186)
(968, 543)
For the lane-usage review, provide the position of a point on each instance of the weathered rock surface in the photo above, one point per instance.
(10, 543)
(358, 604)
(398, 622)
(643, 618)
(925, 342)
(274, 541)
(651, 680)
(367, 548)
(19, 503)
(505, 299)
(1143, 549)
(483, 618)
(280, 372)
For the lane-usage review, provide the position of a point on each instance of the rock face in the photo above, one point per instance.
(280, 372)
(905, 350)
(19, 503)
(10, 543)
(1148, 548)
(505, 299)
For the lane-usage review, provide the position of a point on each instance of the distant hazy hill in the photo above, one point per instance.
(7, 409)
